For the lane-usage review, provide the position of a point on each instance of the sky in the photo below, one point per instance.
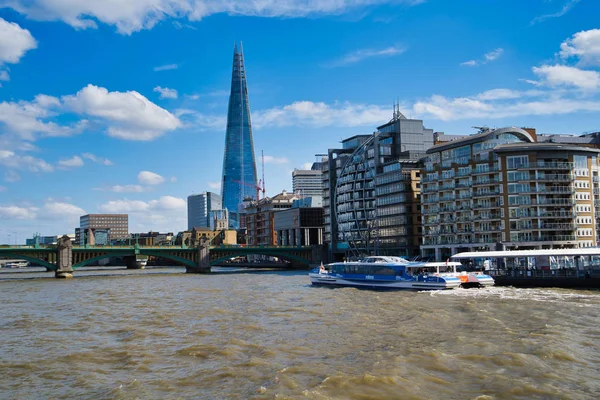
(119, 106)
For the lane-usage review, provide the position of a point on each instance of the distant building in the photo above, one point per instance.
(151, 238)
(299, 226)
(199, 207)
(102, 228)
(307, 182)
(41, 240)
(239, 178)
(219, 220)
(260, 215)
(194, 237)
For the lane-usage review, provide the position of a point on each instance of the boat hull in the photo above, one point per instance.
(333, 280)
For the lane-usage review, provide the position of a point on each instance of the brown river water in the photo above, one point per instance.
(163, 334)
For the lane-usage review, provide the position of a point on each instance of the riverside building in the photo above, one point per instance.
(371, 191)
(500, 189)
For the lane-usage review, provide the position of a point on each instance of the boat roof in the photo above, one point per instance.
(433, 264)
(587, 251)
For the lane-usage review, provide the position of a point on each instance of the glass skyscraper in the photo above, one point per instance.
(239, 166)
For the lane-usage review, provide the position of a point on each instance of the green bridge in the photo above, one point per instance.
(64, 259)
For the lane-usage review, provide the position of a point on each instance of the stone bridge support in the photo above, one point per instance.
(64, 260)
(203, 266)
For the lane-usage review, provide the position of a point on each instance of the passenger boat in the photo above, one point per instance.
(449, 268)
(381, 272)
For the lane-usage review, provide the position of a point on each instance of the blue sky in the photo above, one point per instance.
(120, 106)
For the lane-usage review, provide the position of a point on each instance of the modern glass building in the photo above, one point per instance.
(199, 208)
(371, 189)
(239, 166)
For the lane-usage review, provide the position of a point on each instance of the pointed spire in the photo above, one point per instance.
(235, 48)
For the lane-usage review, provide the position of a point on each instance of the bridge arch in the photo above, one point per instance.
(100, 257)
(184, 261)
(44, 263)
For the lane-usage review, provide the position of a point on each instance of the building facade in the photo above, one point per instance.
(307, 183)
(260, 218)
(371, 191)
(500, 189)
(199, 207)
(239, 179)
(299, 226)
(104, 227)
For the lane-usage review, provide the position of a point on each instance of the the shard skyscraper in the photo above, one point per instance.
(239, 166)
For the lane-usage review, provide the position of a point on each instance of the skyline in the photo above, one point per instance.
(123, 109)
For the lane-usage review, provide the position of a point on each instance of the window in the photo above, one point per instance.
(514, 162)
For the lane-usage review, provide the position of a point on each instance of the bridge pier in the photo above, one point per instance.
(64, 260)
(203, 266)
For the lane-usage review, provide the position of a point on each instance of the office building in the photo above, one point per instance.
(260, 217)
(199, 207)
(371, 189)
(501, 189)
(239, 180)
(102, 228)
(41, 240)
(299, 226)
(306, 183)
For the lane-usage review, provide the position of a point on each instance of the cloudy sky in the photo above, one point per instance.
(119, 106)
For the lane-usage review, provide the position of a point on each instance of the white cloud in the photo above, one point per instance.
(474, 107)
(167, 213)
(565, 9)
(306, 166)
(275, 160)
(133, 15)
(585, 45)
(166, 93)
(166, 67)
(493, 55)
(130, 115)
(487, 57)
(73, 162)
(164, 203)
(12, 176)
(60, 210)
(359, 55)
(14, 161)
(562, 75)
(150, 178)
(505, 94)
(98, 160)
(308, 113)
(128, 189)
(15, 212)
(14, 42)
(214, 185)
(29, 120)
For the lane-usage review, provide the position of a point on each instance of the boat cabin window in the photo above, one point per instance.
(365, 269)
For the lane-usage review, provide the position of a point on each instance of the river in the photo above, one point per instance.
(267, 335)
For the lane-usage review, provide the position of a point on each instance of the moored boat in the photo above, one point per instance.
(381, 272)
(450, 268)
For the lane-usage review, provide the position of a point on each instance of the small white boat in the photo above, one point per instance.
(380, 272)
(450, 268)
